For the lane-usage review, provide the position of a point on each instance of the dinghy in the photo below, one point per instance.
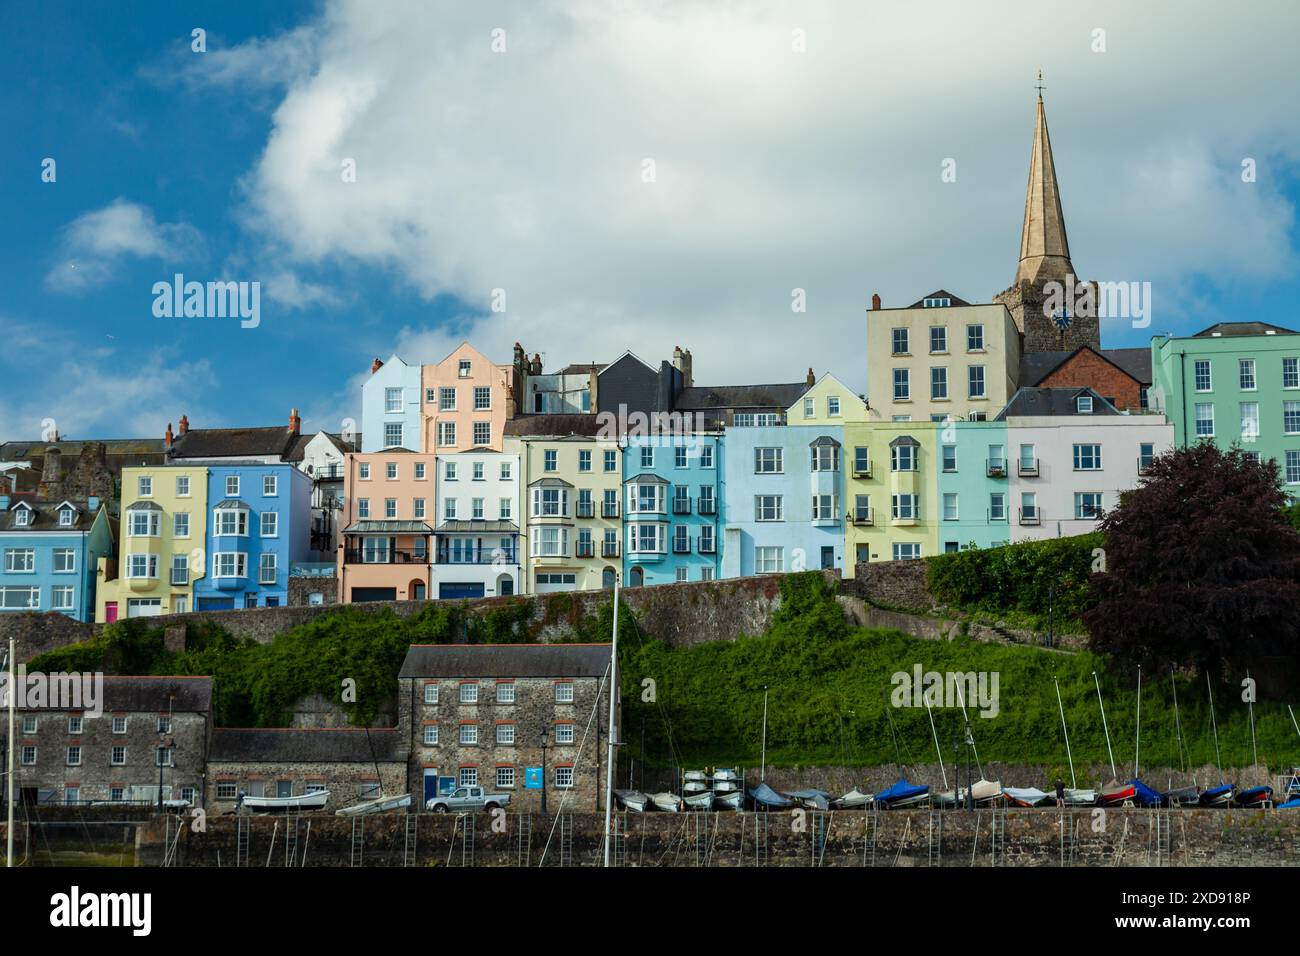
(810, 799)
(1253, 797)
(303, 801)
(903, 794)
(854, 798)
(633, 800)
(765, 797)
(1080, 798)
(1219, 796)
(1024, 796)
(695, 786)
(1116, 794)
(668, 802)
(726, 786)
(1144, 796)
(1183, 797)
(725, 773)
(375, 806)
(1289, 805)
(699, 801)
(730, 800)
(985, 792)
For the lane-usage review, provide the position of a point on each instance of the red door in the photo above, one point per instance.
(110, 611)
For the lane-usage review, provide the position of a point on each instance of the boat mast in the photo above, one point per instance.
(1215, 726)
(1178, 724)
(1066, 730)
(1137, 743)
(1250, 706)
(937, 749)
(12, 693)
(1293, 720)
(1114, 774)
(613, 706)
(970, 732)
(762, 773)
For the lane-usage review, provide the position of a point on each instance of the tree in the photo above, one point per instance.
(1202, 568)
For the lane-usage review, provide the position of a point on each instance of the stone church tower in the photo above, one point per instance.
(1045, 259)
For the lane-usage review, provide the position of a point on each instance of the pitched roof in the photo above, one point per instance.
(779, 396)
(1044, 248)
(307, 745)
(505, 660)
(1037, 366)
(553, 426)
(44, 515)
(206, 443)
(119, 453)
(581, 369)
(939, 294)
(1029, 402)
(158, 695)
(1137, 362)
(1243, 328)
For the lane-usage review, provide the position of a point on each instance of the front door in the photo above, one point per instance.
(430, 783)
(110, 611)
(284, 788)
(828, 558)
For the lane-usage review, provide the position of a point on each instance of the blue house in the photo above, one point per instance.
(390, 407)
(50, 550)
(672, 503)
(784, 504)
(258, 525)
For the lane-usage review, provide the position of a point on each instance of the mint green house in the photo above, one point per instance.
(1236, 383)
(973, 501)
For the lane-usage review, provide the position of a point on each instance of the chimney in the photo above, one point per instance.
(520, 356)
(185, 424)
(811, 379)
(53, 466)
(4, 502)
(375, 366)
(875, 302)
(295, 423)
(92, 504)
(536, 368)
(682, 362)
(169, 436)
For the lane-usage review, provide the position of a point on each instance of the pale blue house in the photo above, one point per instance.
(672, 522)
(50, 550)
(973, 464)
(258, 525)
(390, 407)
(783, 507)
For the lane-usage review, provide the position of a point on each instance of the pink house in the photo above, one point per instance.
(389, 498)
(467, 401)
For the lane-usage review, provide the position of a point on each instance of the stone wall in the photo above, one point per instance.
(302, 587)
(348, 783)
(896, 585)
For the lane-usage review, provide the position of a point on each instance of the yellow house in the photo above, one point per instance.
(892, 498)
(829, 402)
(161, 548)
(941, 357)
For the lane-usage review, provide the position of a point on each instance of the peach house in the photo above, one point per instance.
(467, 401)
(389, 498)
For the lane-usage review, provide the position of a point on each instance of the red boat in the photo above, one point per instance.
(1116, 793)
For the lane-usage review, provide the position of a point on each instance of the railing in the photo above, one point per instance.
(585, 549)
(1031, 516)
(585, 509)
(681, 506)
(608, 549)
(708, 506)
(332, 473)
(312, 569)
(709, 546)
(1027, 467)
(996, 467)
(481, 556)
(681, 546)
(609, 509)
(385, 556)
(862, 516)
(861, 470)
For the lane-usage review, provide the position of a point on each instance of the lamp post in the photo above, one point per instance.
(544, 734)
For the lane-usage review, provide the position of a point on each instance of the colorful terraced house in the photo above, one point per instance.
(50, 551)
(386, 525)
(672, 530)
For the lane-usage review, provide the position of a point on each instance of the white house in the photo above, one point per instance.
(476, 526)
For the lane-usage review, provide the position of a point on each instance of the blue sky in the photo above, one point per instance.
(518, 161)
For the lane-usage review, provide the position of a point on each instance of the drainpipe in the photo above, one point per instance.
(1182, 389)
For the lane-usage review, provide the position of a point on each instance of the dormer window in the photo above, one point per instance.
(1083, 404)
(66, 517)
(463, 370)
(937, 302)
(22, 518)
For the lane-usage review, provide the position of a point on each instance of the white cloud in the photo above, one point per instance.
(95, 242)
(775, 170)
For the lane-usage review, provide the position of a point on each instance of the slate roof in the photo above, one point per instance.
(307, 745)
(206, 443)
(1137, 362)
(46, 515)
(1036, 366)
(1243, 328)
(553, 426)
(581, 369)
(1052, 401)
(463, 526)
(780, 396)
(156, 695)
(939, 294)
(119, 453)
(505, 660)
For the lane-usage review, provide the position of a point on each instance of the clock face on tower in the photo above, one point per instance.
(1062, 320)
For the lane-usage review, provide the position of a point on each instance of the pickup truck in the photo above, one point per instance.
(467, 800)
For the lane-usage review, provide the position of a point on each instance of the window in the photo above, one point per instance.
(1083, 404)
(482, 433)
(28, 758)
(997, 507)
(270, 486)
(390, 507)
(61, 598)
(482, 398)
(680, 575)
(1144, 397)
(564, 733)
(181, 524)
(550, 502)
(706, 539)
(363, 507)
(270, 524)
(74, 756)
(975, 378)
(809, 408)
(1290, 418)
(449, 471)
(392, 400)
(861, 507)
(769, 508)
(899, 340)
(505, 509)
(646, 538)
(232, 486)
(833, 406)
(743, 420)
(65, 559)
(647, 457)
(119, 725)
(363, 470)
(1201, 376)
(1290, 373)
(1029, 505)
(393, 435)
(563, 778)
(1146, 455)
(769, 461)
(949, 506)
(564, 692)
(550, 460)
(476, 509)
(22, 518)
(142, 566)
(430, 735)
(118, 759)
(1250, 421)
(469, 776)
(505, 693)
(584, 460)
(183, 486)
(446, 399)
(549, 542)
(904, 507)
(75, 725)
(505, 778)
(266, 569)
(1087, 505)
(226, 790)
(938, 384)
(902, 385)
(463, 368)
(446, 434)
(825, 508)
(469, 734)
(611, 460)
(417, 508)
(974, 338)
(1028, 463)
(431, 693)
(769, 560)
(469, 693)
(862, 460)
(938, 338)
(419, 471)
(506, 734)
(1204, 420)
(1087, 457)
(142, 523)
(506, 470)
(66, 516)
(1292, 467)
(449, 509)
(902, 458)
(144, 486)
(231, 521)
(906, 551)
(229, 564)
(1246, 374)
(679, 456)
(825, 458)
(949, 457)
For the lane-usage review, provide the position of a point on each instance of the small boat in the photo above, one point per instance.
(633, 800)
(695, 786)
(854, 798)
(699, 775)
(810, 799)
(1024, 796)
(903, 794)
(726, 786)
(1253, 796)
(730, 800)
(1291, 804)
(1079, 797)
(985, 792)
(1144, 796)
(668, 802)
(1219, 796)
(303, 801)
(1183, 797)
(725, 773)
(1116, 793)
(765, 797)
(380, 805)
(698, 801)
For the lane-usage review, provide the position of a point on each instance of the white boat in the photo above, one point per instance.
(695, 775)
(668, 802)
(633, 800)
(1080, 798)
(723, 773)
(695, 786)
(380, 805)
(699, 801)
(1024, 796)
(728, 801)
(303, 801)
(726, 786)
(854, 798)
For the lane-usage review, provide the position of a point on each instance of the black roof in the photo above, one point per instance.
(939, 294)
(1053, 401)
(119, 453)
(44, 515)
(505, 660)
(1137, 362)
(904, 440)
(780, 396)
(1036, 366)
(156, 695)
(279, 441)
(553, 426)
(307, 745)
(1244, 328)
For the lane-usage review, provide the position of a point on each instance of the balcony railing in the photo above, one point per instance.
(996, 467)
(863, 516)
(609, 509)
(585, 549)
(609, 549)
(585, 509)
(862, 469)
(681, 506)
(708, 506)
(1027, 467)
(681, 545)
(482, 556)
(1031, 516)
(708, 545)
(385, 557)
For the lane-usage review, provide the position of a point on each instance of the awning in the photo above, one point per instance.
(388, 527)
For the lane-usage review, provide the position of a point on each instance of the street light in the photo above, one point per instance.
(544, 734)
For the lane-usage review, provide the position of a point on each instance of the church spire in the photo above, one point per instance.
(1044, 250)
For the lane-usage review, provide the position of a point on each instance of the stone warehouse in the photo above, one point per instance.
(353, 764)
(529, 720)
(69, 755)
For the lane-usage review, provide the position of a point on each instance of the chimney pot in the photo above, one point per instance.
(185, 424)
(169, 436)
(875, 302)
(812, 379)
(375, 366)
(295, 423)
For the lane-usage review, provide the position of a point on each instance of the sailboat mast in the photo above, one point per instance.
(1137, 743)
(1214, 725)
(762, 773)
(1250, 707)
(1066, 730)
(1293, 720)
(1178, 724)
(613, 707)
(1100, 703)
(970, 733)
(12, 694)
(937, 749)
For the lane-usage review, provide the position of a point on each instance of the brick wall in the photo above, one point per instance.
(1091, 370)
(898, 585)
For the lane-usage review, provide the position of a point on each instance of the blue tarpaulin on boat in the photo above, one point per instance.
(1145, 796)
(766, 796)
(1210, 794)
(901, 791)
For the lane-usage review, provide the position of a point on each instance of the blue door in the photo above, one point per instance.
(430, 784)
(452, 590)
